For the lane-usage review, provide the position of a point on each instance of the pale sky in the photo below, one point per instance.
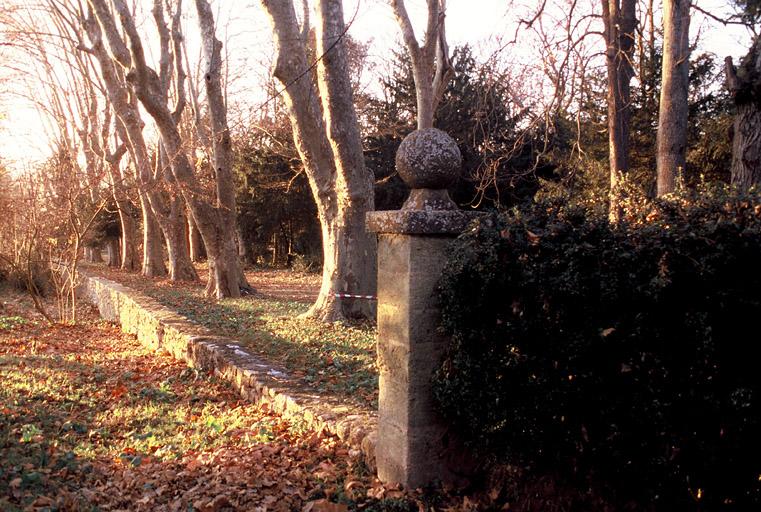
(485, 24)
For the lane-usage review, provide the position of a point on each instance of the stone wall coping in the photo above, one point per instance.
(257, 380)
(420, 222)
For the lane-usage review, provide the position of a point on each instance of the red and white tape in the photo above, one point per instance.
(350, 296)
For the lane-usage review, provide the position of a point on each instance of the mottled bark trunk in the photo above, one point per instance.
(172, 221)
(197, 249)
(112, 249)
(243, 252)
(745, 86)
(153, 254)
(619, 21)
(746, 147)
(431, 68)
(340, 217)
(128, 239)
(224, 265)
(351, 249)
(671, 156)
(175, 233)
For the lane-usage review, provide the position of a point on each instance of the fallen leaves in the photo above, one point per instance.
(324, 506)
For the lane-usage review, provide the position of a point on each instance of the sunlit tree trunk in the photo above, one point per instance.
(128, 248)
(675, 83)
(225, 265)
(326, 135)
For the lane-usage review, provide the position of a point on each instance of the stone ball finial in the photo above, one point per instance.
(428, 158)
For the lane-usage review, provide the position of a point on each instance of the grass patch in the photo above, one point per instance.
(11, 322)
(333, 359)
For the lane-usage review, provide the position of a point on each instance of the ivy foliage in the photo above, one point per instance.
(621, 357)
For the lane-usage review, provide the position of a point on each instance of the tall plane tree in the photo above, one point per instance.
(326, 134)
(673, 110)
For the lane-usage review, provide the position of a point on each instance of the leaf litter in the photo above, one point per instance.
(91, 420)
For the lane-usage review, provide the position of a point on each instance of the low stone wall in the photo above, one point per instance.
(162, 329)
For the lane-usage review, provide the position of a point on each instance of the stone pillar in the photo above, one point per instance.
(415, 447)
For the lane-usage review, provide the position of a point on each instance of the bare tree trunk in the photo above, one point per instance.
(153, 255)
(112, 247)
(225, 264)
(243, 251)
(336, 175)
(180, 265)
(675, 84)
(128, 240)
(353, 249)
(128, 249)
(172, 222)
(743, 84)
(619, 18)
(197, 249)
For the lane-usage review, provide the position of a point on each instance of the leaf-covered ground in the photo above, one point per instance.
(334, 359)
(90, 420)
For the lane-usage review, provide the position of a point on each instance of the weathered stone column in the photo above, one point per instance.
(415, 447)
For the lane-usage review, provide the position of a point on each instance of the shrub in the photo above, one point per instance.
(623, 358)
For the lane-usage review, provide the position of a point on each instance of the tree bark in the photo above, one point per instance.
(619, 19)
(339, 188)
(675, 82)
(180, 264)
(224, 266)
(112, 247)
(128, 249)
(197, 250)
(745, 86)
(355, 247)
(153, 254)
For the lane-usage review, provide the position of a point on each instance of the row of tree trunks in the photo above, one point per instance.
(159, 218)
(213, 221)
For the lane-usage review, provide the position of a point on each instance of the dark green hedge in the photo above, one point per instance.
(623, 358)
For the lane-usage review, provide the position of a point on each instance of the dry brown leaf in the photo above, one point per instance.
(324, 506)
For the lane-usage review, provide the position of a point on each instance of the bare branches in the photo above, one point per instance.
(431, 66)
